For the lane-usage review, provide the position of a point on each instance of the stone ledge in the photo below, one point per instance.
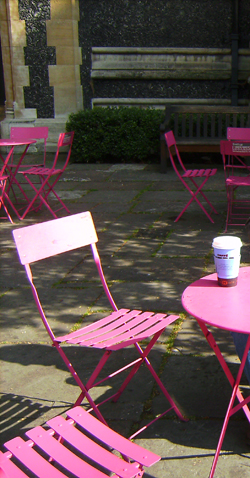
(160, 103)
(167, 63)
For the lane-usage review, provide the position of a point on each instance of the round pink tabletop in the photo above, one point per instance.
(223, 307)
(12, 142)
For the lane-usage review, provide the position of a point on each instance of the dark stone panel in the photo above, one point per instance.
(31, 9)
(243, 90)
(180, 23)
(161, 89)
(36, 33)
(43, 100)
(244, 24)
(38, 56)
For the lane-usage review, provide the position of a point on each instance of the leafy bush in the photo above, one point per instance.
(121, 134)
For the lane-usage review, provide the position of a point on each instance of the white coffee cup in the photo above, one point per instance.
(227, 259)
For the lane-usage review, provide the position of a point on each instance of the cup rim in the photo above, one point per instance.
(226, 242)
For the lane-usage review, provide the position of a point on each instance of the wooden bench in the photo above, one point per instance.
(200, 128)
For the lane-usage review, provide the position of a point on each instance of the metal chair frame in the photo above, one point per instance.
(191, 174)
(237, 174)
(120, 329)
(48, 177)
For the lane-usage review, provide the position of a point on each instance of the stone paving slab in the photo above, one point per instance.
(187, 449)
(198, 386)
(191, 340)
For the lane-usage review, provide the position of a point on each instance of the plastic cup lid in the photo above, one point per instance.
(227, 242)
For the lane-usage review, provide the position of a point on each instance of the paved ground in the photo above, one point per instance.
(149, 260)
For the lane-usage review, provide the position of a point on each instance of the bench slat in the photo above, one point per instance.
(198, 129)
(212, 125)
(183, 126)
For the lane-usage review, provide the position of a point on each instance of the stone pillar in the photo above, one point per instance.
(62, 33)
(41, 63)
(16, 74)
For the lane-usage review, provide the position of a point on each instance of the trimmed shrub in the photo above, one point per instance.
(121, 134)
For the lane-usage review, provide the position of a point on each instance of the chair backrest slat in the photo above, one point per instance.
(239, 134)
(20, 133)
(171, 142)
(64, 140)
(61, 235)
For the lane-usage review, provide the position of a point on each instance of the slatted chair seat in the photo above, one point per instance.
(79, 445)
(199, 173)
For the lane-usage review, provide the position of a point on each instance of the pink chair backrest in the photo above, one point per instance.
(226, 147)
(20, 133)
(170, 140)
(64, 140)
(50, 238)
(238, 134)
(64, 234)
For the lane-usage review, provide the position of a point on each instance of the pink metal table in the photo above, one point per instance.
(226, 308)
(12, 170)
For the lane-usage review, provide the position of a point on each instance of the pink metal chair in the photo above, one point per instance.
(72, 450)
(237, 174)
(4, 196)
(26, 133)
(238, 134)
(120, 329)
(48, 178)
(191, 174)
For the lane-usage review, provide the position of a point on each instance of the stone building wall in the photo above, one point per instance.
(165, 24)
(41, 59)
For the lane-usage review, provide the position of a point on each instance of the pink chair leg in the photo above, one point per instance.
(230, 410)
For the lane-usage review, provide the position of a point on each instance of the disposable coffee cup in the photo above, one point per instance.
(227, 259)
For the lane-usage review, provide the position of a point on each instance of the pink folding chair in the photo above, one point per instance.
(72, 450)
(48, 178)
(4, 196)
(238, 134)
(237, 174)
(26, 133)
(191, 174)
(120, 329)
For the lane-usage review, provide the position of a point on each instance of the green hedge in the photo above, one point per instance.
(122, 134)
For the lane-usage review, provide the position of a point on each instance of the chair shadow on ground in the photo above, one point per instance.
(197, 384)
(18, 412)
